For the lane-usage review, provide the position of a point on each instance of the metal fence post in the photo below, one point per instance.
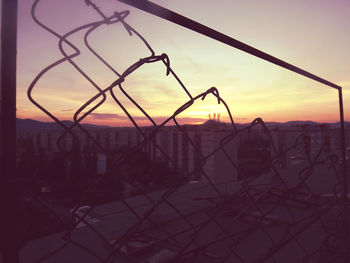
(10, 237)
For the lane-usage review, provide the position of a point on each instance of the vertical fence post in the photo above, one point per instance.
(10, 238)
(345, 229)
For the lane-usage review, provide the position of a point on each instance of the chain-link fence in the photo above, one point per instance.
(217, 192)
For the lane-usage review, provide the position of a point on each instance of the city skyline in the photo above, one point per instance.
(251, 87)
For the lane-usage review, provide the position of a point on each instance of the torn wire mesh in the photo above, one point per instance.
(269, 214)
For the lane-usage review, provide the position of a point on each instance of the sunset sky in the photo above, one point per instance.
(311, 34)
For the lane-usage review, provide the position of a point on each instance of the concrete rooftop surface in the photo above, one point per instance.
(260, 220)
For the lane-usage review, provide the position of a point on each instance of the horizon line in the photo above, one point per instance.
(194, 124)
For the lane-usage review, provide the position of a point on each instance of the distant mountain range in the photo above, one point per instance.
(32, 125)
(290, 123)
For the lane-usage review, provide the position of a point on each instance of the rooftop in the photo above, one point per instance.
(196, 222)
